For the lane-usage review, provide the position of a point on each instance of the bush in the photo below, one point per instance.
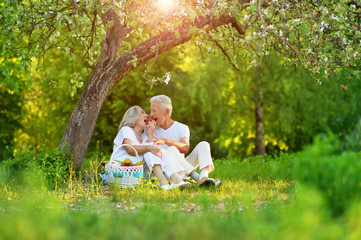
(352, 139)
(52, 163)
(333, 172)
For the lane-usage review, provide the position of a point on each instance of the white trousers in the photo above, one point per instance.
(167, 162)
(199, 157)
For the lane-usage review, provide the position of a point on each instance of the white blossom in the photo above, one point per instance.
(168, 76)
(334, 17)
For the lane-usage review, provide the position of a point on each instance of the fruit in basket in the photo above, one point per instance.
(139, 163)
(150, 119)
(127, 162)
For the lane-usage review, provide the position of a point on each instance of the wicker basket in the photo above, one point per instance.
(124, 176)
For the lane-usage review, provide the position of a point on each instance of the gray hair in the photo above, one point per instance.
(130, 117)
(164, 101)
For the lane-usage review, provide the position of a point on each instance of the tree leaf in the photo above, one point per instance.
(176, 34)
(58, 24)
(291, 37)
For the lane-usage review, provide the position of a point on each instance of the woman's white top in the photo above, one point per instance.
(121, 154)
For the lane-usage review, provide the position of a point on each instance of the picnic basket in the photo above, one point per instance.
(124, 176)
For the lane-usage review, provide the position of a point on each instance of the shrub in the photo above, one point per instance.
(352, 139)
(333, 172)
(53, 163)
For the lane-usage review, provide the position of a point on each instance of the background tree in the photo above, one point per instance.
(295, 108)
(307, 33)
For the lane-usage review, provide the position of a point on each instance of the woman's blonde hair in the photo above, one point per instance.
(130, 117)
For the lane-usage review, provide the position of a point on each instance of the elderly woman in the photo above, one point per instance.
(131, 132)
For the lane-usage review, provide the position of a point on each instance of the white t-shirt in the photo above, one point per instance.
(120, 154)
(175, 132)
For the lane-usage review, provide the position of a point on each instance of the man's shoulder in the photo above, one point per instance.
(179, 125)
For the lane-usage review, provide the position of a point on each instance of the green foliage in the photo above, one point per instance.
(12, 87)
(222, 107)
(47, 102)
(352, 139)
(53, 164)
(76, 30)
(31, 29)
(334, 173)
(223, 101)
(10, 105)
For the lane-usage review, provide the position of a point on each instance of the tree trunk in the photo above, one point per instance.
(111, 68)
(260, 147)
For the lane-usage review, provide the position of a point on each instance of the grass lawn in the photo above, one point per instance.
(259, 199)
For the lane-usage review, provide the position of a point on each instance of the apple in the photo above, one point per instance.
(127, 162)
(150, 119)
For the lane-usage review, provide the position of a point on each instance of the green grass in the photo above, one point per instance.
(259, 199)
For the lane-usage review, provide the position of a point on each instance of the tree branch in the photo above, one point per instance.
(224, 53)
(112, 42)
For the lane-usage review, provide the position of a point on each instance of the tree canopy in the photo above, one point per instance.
(114, 37)
(323, 36)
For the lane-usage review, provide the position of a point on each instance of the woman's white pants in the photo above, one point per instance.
(167, 162)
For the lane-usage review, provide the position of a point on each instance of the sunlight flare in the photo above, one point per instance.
(166, 5)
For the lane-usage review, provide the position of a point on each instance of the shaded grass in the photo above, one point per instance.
(85, 208)
(259, 199)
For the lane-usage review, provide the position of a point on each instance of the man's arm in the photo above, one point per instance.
(141, 149)
(182, 145)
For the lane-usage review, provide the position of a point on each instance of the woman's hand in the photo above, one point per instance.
(151, 124)
(150, 129)
(160, 141)
(155, 150)
(152, 139)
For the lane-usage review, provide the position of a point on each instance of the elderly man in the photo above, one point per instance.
(174, 136)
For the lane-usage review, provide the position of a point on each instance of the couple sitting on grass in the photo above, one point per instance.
(162, 143)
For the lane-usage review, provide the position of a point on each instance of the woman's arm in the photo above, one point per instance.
(182, 146)
(141, 149)
(150, 130)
